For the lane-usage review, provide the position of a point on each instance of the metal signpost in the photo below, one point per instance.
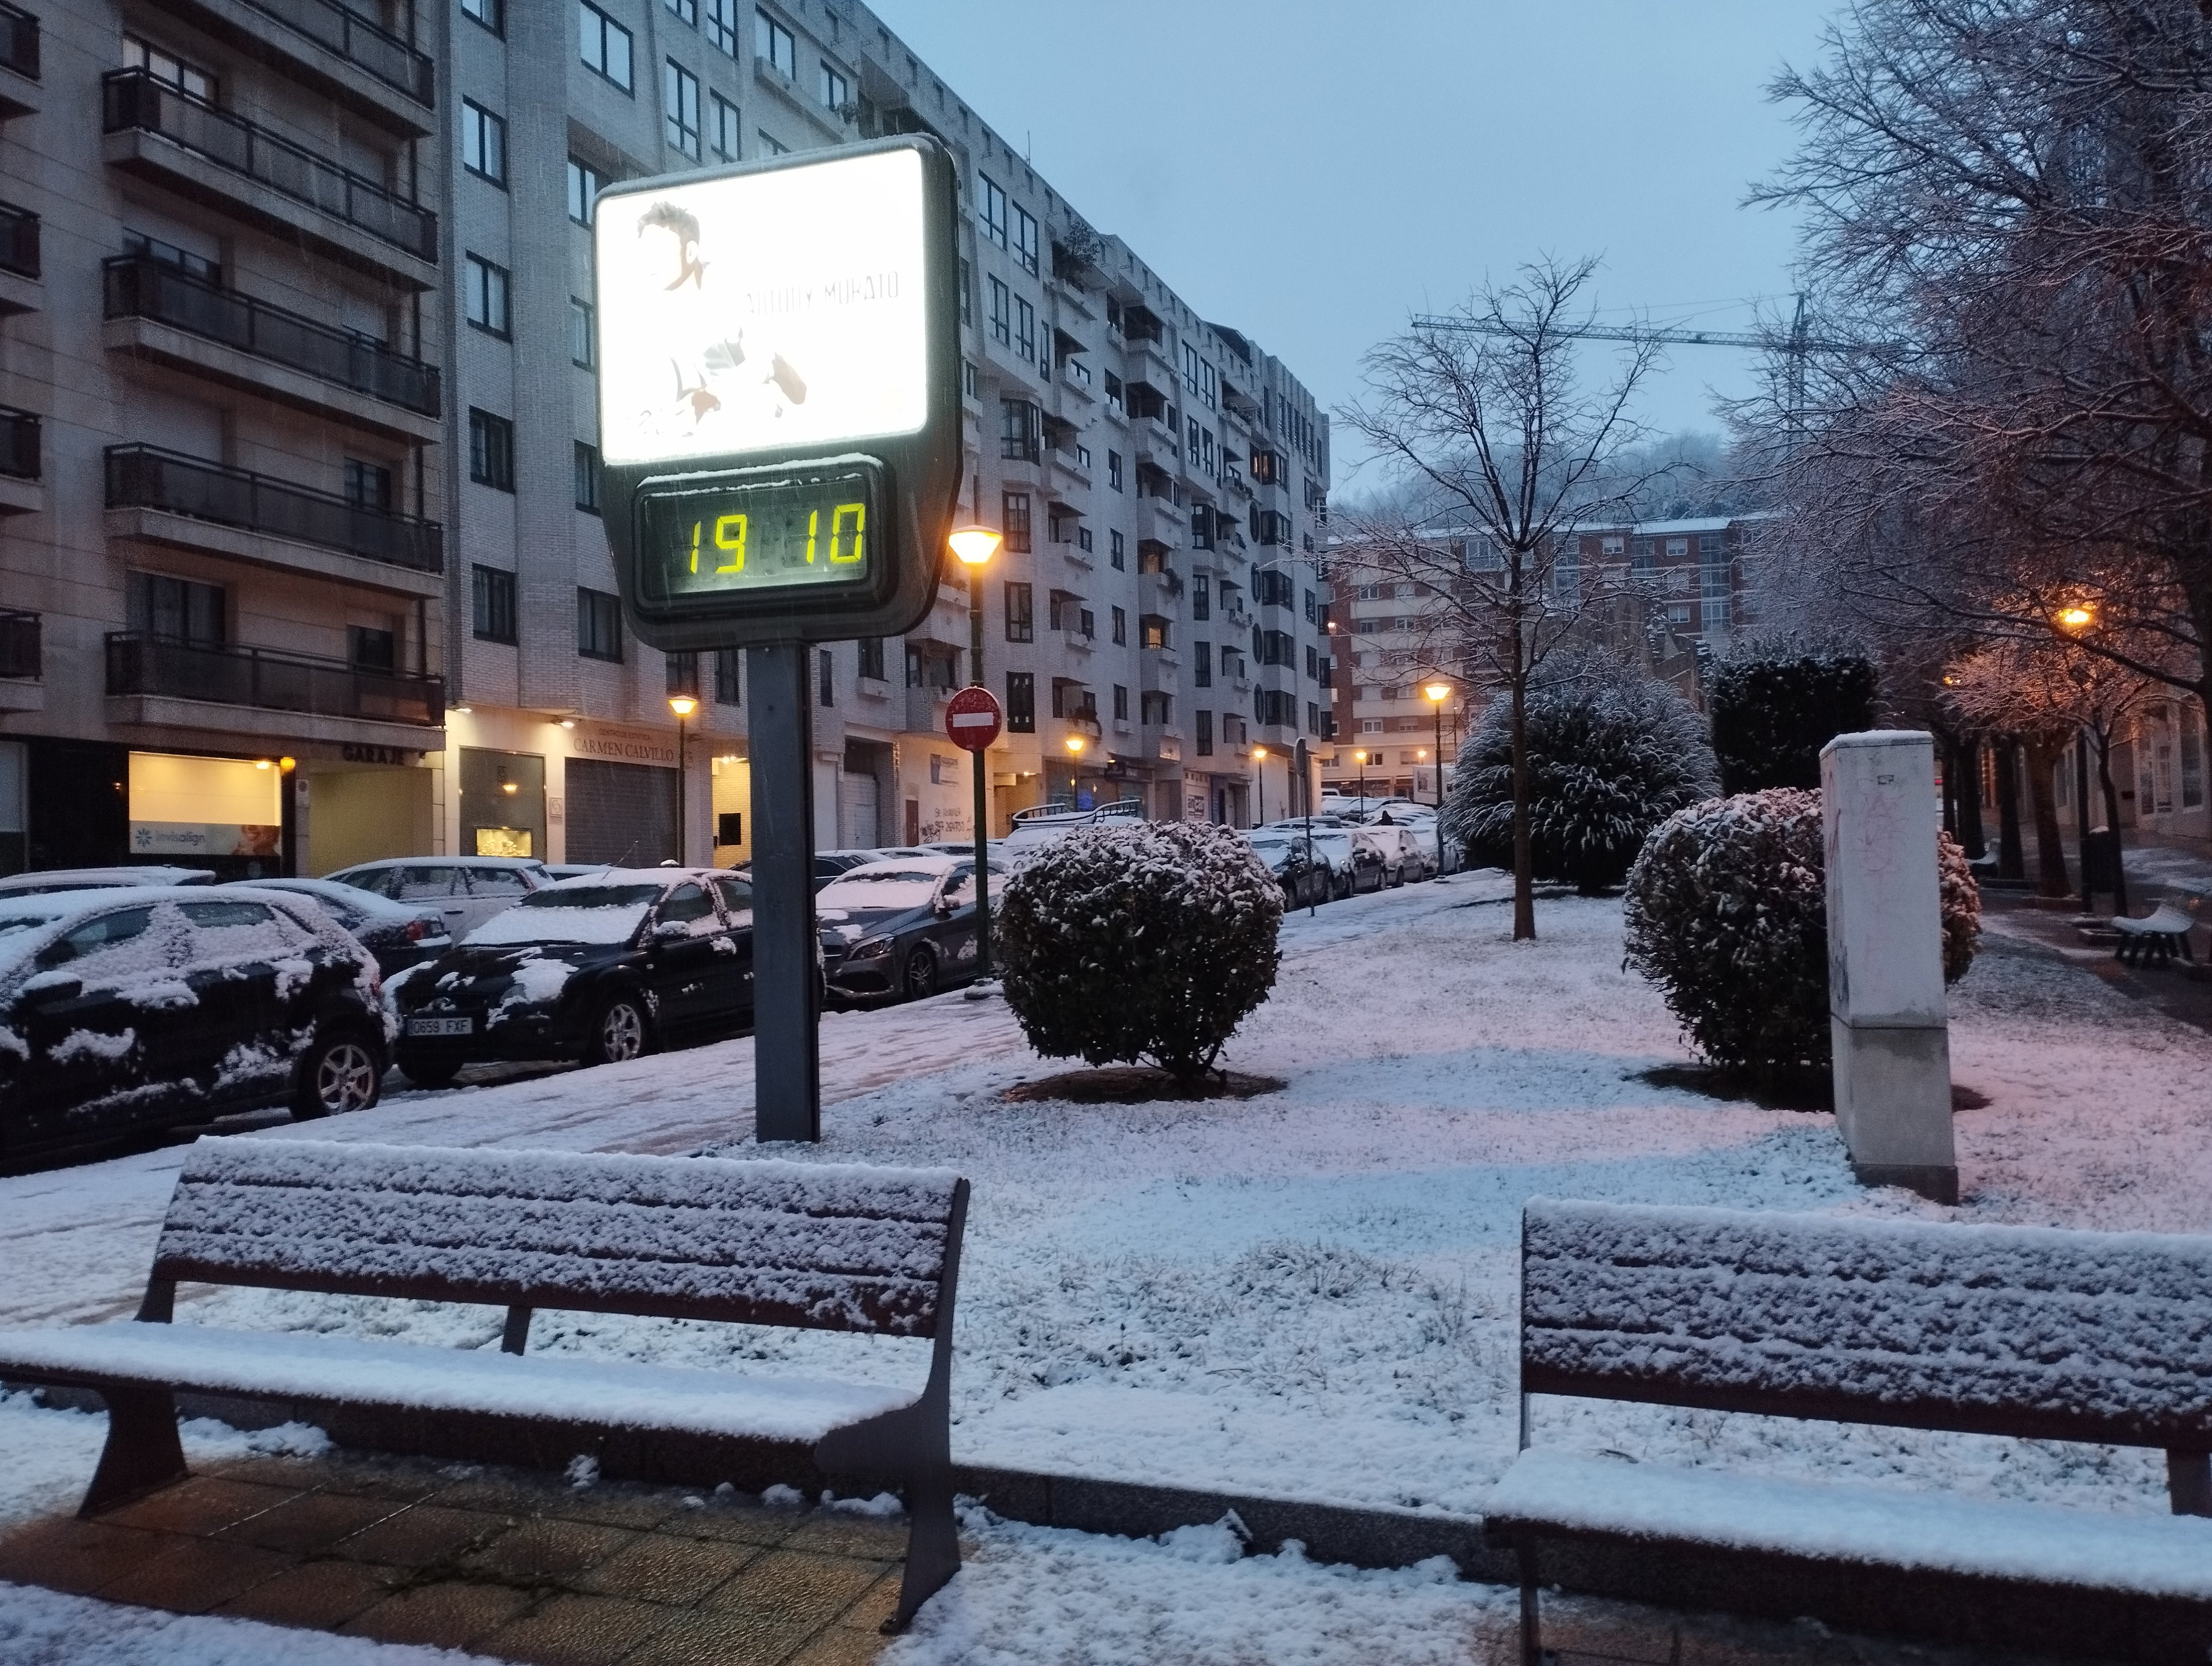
(973, 721)
(779, 435)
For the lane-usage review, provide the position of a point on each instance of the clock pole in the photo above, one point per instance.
(786, 994)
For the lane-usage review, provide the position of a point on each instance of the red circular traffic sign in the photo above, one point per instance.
(972, 719)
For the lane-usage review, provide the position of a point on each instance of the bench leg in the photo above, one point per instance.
(143, 1450)
(2189, 1482)
(1532, 1611)
(933, 1547)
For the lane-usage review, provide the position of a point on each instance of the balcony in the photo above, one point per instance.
(21, 291)
(21, 467)
(339, 51)
(161, 312)
(1084, 723)
(925, 709)
(241, 168)
(19, 61)
(1081, 642)
(155, 669)
(20, 662)
(163, 497)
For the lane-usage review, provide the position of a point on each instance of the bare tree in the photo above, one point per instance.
(1485, 418)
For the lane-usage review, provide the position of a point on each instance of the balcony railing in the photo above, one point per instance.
(19, 443)
(138, 286)
(133, 99)
(19, 644)
(140, 662)
(147, 477)
(19, 240)
(19, 40)
(360, 42)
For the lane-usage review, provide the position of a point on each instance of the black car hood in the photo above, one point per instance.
(851, 925)
(472, 972)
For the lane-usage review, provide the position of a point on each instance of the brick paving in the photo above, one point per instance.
(516, 1565)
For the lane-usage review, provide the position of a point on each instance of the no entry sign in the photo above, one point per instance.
(972, 719)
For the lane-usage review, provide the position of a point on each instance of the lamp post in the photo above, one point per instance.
(974, 546)
(1259, 785)
(1360, 758)
(2074, 620)
(1439, 691)
(682, 705)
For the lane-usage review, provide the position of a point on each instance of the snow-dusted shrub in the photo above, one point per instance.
(1134, 943)
(1611, 755)
(1772, 715)
(1727, 912)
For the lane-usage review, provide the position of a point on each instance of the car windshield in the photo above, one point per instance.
(570, 913)
(884, 888)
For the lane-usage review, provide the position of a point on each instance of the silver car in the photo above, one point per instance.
(464, 891)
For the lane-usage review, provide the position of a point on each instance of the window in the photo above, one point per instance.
(968, 378)
(178, 610)
(1021, 703)
(493, 592)
(1370, 726)
(679, 98)
(871, 658)
(1021, 430)
(1156, 708)
(603, 43)
(772, 41)
(1313, 609)
(684, 11)
(1021, 613)
(1113, 476)
(991, 209)
(722, 26)
(1202, 733)
(727, 684)
(1025, 239)
(1313, 663)
(1014, 516)
(1026, 330)
(836, 91)
(1082, 539)
(1202, 598)
(1202, 659)
(1274, 588)
(484, 295)
(1083, 458)
(825, 679)
(722, 127)
(1114, 393)
(368, 485)
(1155, 631)
(684, 672)
(967, 299)
(173, 72)
(1120, 701)
(483, 144)
(588, 478)
(368, 648)
(1002, 312)
(492, 14)
(1120, 628)
(579, 334)
(491, 450)
(1117, 549)
(598, 625)
(769, 144)
(584, 183)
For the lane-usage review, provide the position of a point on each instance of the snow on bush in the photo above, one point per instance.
(1150, 941)
(1771, 714)
(1611, 755)
(1727, 912)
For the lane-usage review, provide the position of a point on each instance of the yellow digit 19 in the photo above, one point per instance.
(859, 511)
(723, 540)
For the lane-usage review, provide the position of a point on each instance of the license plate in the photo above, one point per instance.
(441, 1026)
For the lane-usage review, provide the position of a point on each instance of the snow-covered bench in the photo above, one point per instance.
(802, 1245)
(2043, 1335)
(2158, 935)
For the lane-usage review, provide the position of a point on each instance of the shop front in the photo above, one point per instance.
(359, 803)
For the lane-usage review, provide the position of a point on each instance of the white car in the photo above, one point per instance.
(1406, 856)
(45, 881)
(464, 891)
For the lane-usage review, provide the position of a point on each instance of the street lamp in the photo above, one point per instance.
(682, 705)
(973, 547)
(1439, 692)
(2079, 616)
(1360, 758)
(1259, 785)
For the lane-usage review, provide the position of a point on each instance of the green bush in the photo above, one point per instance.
(1726, 911)
(1771, 716)
(1134, 943)
(1611, 755)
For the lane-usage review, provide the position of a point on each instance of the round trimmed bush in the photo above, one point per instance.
(1726, 911)
(1129, 944)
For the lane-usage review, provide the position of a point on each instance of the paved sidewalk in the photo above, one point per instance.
(512, 1565)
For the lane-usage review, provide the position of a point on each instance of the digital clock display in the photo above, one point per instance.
(792, 529)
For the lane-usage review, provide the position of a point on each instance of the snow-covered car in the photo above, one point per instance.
(903, 928)
(399, 934)
(1046, 824)
(599, 969)
(465, 891)
(1355, 866)
(1299, 868)
(129, 1010)
(42, 881)
(1406, 857)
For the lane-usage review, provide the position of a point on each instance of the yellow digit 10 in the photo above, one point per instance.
(859, 511)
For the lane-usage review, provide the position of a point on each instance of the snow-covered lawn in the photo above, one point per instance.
(1308, 1294)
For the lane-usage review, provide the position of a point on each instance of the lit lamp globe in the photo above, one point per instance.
(682, 704)
(1438, 692)
(1075, 745)
(2077, 617)
(973, 545)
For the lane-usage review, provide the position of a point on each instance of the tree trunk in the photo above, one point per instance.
(2043, 756)
(2012, 860)
(1970, 800)
(1951, 788)
(1524, 854)
(2112, 819)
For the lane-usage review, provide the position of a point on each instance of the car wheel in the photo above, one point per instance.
(430, 1070)
(619, 1031)
(919, 981)
(339, 1072)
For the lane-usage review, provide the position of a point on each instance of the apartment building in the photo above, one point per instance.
(221, 560)
(1673, 592)
(1159, 479)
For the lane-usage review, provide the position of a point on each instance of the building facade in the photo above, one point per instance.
(222, 557)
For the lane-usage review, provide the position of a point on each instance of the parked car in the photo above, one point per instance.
(399, 934)
(1406, 857)
(1298, 867)
(599, 969)
(45, 881)
(465, 891)
(1047, 824)
(903, 929)
(1355, 865)
(126, 1012)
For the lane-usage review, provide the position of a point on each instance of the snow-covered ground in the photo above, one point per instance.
(1308, 1294)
